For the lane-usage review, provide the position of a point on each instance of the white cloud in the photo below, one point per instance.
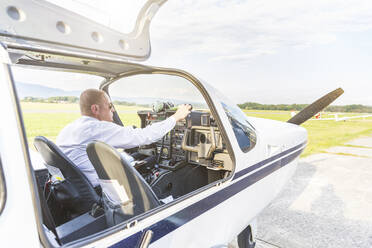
(246, 29)
(235, 29)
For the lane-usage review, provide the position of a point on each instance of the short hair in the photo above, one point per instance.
(88, 98)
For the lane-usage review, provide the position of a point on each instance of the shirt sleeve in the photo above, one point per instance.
(128, 137)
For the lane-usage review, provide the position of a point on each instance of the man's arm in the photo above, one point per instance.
(128, 137)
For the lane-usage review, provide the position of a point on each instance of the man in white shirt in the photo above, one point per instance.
(96, 123)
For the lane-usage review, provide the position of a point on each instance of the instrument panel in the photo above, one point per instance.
(195, 140)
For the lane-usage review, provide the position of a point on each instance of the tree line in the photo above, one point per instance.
(53, 99)
(354, 108)
(72, 99)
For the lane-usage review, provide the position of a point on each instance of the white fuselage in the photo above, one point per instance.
(210, 218)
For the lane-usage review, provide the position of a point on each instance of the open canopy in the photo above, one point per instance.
(43, 28)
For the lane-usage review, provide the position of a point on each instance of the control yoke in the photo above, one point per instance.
(203, 148)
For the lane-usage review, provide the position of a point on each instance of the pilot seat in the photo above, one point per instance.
(136, 196)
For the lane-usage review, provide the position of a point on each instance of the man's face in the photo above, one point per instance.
(105, 110)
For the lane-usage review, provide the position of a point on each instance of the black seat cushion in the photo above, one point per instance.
(78, 185)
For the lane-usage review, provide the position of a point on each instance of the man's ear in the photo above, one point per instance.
(94, 109)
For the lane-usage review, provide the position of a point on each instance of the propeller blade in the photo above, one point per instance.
(315, 107)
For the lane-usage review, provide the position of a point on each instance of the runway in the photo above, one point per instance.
(327, 203)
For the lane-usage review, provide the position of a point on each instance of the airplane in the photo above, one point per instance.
(215, 171)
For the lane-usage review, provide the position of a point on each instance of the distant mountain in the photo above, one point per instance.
(37, 90)
(40, 91)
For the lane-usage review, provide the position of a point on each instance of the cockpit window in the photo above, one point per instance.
(243, 130)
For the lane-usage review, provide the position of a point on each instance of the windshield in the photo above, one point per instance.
(243, 130)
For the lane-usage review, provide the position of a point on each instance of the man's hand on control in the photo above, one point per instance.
(182, 111)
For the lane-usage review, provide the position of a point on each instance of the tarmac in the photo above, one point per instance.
(327, 203)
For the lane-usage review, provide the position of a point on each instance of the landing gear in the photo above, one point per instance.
(245, 238)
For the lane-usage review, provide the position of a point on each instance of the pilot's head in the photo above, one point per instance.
(96, 103)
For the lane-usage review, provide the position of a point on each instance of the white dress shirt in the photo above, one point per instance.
(74, 138)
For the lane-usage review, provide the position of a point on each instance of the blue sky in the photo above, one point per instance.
(263, 51)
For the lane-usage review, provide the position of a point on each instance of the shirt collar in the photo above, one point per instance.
(88, 117)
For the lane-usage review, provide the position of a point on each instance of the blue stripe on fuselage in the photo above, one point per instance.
(187, 214)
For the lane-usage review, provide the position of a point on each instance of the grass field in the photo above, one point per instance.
(47, 119)
(323, 133)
